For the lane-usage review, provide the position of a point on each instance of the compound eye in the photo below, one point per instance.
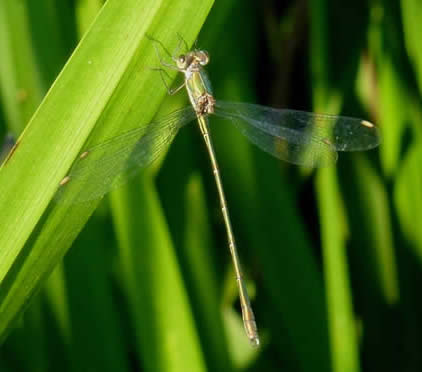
(203, 57)
(181, 60)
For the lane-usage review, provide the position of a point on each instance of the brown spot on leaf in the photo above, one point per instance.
(64, 181)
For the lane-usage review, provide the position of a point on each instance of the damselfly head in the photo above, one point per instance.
(192, 59)
(202, 57)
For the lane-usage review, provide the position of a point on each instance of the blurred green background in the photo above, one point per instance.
(332, 256)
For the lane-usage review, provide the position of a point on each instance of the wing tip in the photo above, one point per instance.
(367, 124)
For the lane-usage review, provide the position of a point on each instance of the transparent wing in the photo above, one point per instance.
(300, 137)
(111, 163)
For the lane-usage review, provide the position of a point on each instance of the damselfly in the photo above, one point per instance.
(297, 137)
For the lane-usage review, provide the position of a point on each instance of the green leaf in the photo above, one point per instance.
(411, 16)
(328, 97)
(408, 197)
(371, 225)
(388, 52)
(106, 85)
(21, 84)
(372, 258)
(166, 336)
(200, 268)
(265, 219)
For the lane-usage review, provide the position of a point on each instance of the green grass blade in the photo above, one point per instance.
(333, 74)
(21, 85)
(373, 264)
(386, 47)
(86, 11)
(266, 221)
(411, 17)
(201, 269)
(166, 336)
(342, 329)
(408, 198)
(108, 84)
(96, 335)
